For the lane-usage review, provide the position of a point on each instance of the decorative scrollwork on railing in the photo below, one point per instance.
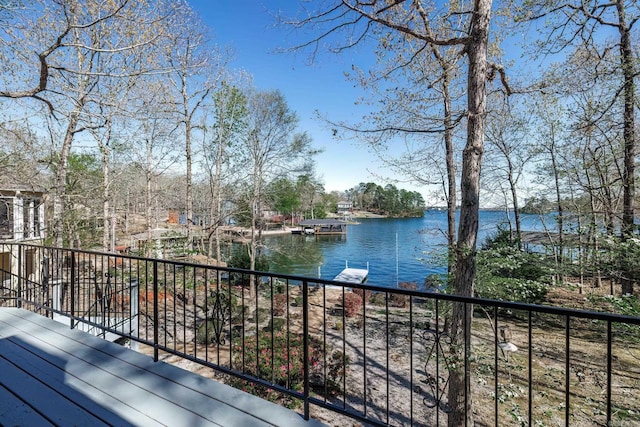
(218, 315)
(436, 368)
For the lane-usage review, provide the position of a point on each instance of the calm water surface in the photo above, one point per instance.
(395, 250)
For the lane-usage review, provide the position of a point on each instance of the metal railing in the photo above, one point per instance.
(381, 356)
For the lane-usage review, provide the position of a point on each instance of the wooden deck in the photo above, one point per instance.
(51, 375)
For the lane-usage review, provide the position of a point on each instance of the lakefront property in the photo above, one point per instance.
(197, 343)
(179, 246)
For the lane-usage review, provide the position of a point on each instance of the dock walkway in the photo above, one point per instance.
(53, 375)
(352, 275)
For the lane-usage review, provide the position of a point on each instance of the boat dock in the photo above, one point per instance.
(353, 275)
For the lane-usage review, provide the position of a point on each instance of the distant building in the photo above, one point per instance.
(21, 214)
(344, 207)
(21, 220)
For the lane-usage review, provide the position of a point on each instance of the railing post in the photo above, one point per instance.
(305, 345)
(73, 278)
(156, 333)
(609, 368)
(19, 290)
(134, 310)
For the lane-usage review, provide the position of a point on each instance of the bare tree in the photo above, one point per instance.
(73, 41)
(22, 156)
(551, 141)
(583, 26)
(151, 138)
(509, 151)
(228, 124)
(196, 69)
(272, 148)
(421, 107)
(425, 23)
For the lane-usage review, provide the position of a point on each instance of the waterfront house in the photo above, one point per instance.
(344, 207)
(22, 219)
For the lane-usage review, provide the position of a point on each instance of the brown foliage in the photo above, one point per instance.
(352, 304)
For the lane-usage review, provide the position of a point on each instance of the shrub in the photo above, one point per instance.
(283, 365)
(400, 300)
(276, 324)
(507, 273)
(240, 259)
(218, 308)
(352, 304)
(512, 289)
(279, 304)
(435, 282)
(365, 294)
(622, 260)
(206, 332)
(336, 369)
(379, 299)
(279, 287)
(297, 302)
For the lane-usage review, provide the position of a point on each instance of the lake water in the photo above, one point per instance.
(394, 249)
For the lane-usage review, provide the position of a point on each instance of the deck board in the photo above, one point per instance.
(74, 378)
(15, 412)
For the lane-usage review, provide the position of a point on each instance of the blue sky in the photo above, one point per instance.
(248, 26)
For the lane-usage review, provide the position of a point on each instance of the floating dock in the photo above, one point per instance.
(353, 275)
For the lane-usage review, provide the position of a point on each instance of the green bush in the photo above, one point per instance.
(240, 259)
(276, 324)
(206, 332)
(378, 299)
(507, 273)
(622, 258)
(512, 289)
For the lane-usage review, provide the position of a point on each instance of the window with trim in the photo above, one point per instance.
(6, 218)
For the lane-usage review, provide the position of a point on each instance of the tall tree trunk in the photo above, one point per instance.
(106, 197)
(628, 179)
(559, 247)
(628, 70)
(218, 195)
(451, 174)
(148, 198)
(459, 395)
(189, 161)
(253, 247)
(108, 218)
(61, 180)
(516, 207)
(72, 127)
